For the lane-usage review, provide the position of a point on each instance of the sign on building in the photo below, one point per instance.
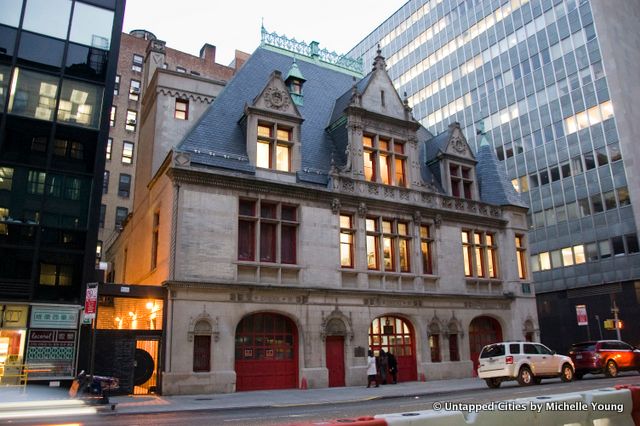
(581, 312)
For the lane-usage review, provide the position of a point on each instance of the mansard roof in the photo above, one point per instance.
(493, 183)
(218, 139)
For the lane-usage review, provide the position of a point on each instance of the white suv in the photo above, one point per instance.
(526, 362)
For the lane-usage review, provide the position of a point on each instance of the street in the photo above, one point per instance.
(283, 415)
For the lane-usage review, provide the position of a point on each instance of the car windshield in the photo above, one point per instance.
(492, 350)
(583, 347)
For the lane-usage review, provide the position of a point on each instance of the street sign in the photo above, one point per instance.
(91, 301)
(581, 312)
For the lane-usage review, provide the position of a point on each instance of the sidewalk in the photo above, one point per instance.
(289, 397)
(140, 404)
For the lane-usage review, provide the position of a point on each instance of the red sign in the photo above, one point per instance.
(581, 312)
(91, 301)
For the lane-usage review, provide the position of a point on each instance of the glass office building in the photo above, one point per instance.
(57, 67)
(554, 86)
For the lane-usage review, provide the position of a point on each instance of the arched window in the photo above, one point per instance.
(454, 351)
(202, 346)
(434, 342)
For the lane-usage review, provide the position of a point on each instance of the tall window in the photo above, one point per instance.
(396, 241)
(201, 353)
(134, 90)
(6, 178)
(109, 146)
(116, 86)
(347, 233)
(182, 109)
(434, 345)
(155, 232)
(426, 241)
(35, 183)
(384, 160)
(105, 182)
(137, 63)
(103, 211)
(127, 152)
(132, 120)
(461, 181)
(269, 227)
(121, 215)
(274, 146)
(454, 353)
(124, 185)
(480, 254)
(112, 116)
(521, 257)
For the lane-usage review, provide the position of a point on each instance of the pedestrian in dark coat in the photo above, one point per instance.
(393, 367)
(383, 364)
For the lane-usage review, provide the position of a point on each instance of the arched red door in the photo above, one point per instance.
(266, 353)
(395, 335)
(482, 331)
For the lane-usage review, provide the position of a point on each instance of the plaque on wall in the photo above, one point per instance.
(358, 352)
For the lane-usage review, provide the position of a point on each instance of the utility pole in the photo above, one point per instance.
(615, 311)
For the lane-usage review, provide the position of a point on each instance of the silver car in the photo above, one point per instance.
(526, 362)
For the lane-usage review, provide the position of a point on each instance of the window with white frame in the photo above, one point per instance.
(384, 160)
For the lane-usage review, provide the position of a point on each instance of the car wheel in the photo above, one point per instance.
(525, 377)
(567, 373)
(577, 376)
(493, 383)
(611, 369)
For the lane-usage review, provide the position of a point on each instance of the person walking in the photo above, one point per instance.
(383, 364)
(372, 372)
(393, 367)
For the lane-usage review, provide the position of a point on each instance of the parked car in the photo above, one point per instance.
(604, 356)
(526, 362)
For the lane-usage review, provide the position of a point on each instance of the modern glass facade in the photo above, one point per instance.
(537, 76)
(57, 67)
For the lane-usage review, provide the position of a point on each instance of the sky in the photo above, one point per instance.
(186, 25)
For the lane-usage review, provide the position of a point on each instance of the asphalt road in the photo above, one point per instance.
(288, 415)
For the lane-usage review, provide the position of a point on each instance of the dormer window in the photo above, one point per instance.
(274, 145)
(461, 178)
(296, 87)
(384, 160)
(294, 82)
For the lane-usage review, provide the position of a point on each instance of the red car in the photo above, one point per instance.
(604, 356)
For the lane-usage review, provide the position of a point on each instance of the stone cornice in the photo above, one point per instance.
(367, 294)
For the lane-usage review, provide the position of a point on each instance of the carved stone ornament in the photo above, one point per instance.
(276, 99)
(437, 220)
(459, 145)
(362, 209)
(335, 206)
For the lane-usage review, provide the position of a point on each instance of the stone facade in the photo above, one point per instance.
(198, 192)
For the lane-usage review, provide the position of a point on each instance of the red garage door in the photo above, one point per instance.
(395, 335)
(482, 331)
(266, 353)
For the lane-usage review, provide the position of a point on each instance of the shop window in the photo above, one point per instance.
(270, 227)
(181, 109)
(347, 233)
(123, 313)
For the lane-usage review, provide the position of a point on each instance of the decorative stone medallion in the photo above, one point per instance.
(276, 99)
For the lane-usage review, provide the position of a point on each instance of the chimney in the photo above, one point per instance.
(208, 53)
